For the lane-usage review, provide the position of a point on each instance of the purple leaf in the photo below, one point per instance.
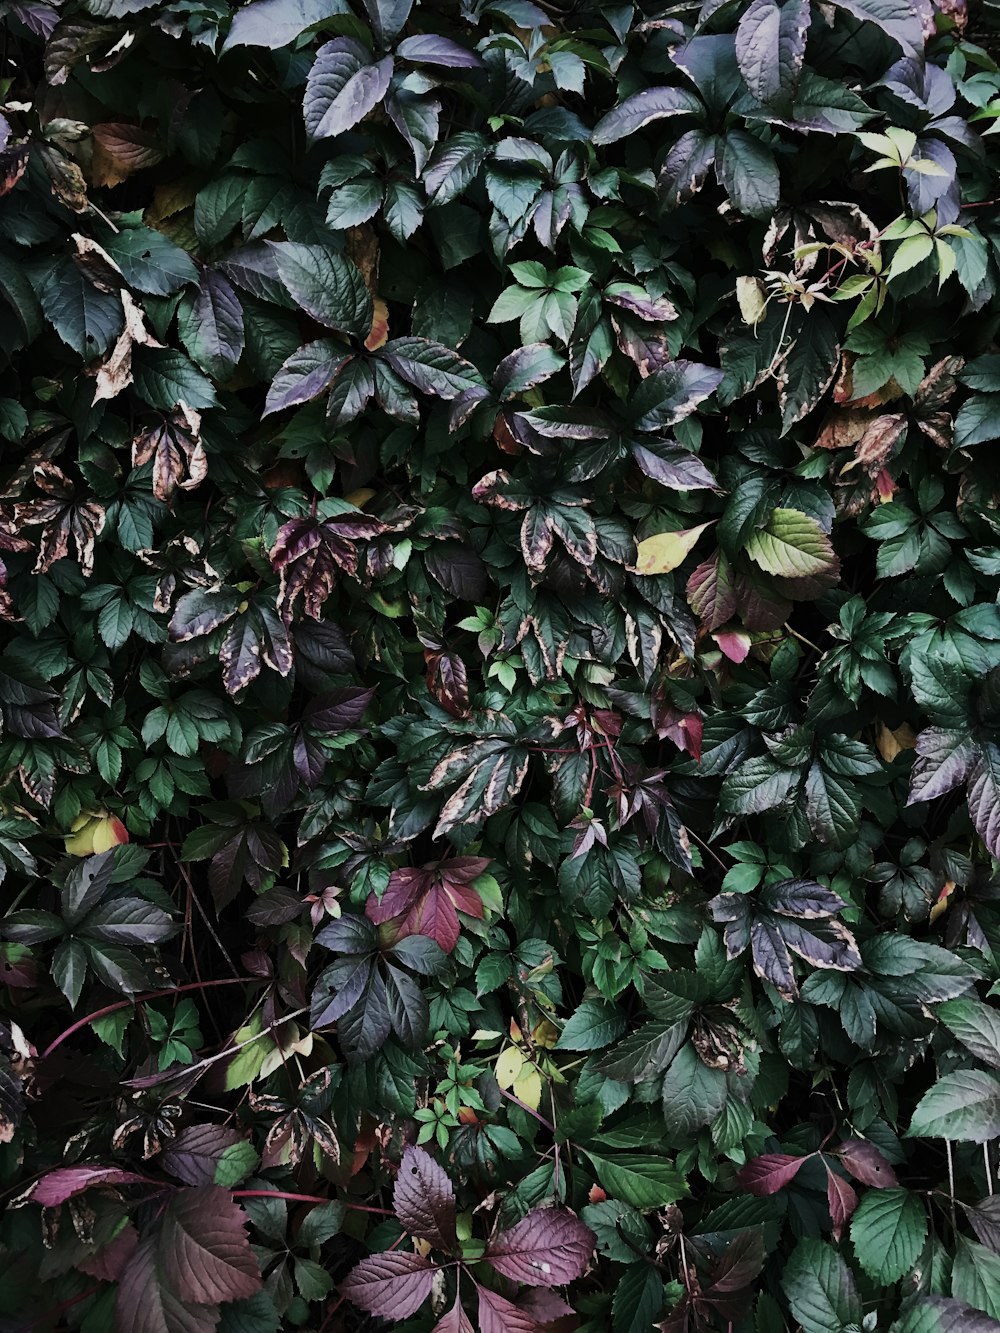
(391, 1285)
(146, 1302)
(203, 1252)
(57, 1186)
(338, 710)
(545, 1249)
(770, 1173)
(842, 1201)
(424, 1199)
(196, 1152)
(429, 49)
(498, 1315)
(866, 1163)
(455, 1321)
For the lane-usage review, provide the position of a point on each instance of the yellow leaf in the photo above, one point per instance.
(666, 551)
(508, 1066)
(890, 743)
(751, 298)
(528, 1087)
(360, 497)
(943, 900)
(94, 833)
(546, 1034)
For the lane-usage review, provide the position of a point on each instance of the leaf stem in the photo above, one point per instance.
(138, 999)
(310, 1198)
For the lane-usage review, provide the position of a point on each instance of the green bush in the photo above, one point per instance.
(500, 677)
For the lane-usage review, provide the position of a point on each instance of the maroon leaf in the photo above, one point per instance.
(841, 1199)
(203, 1251)
(392, 1285)
(196, 1152)
(338, 710)
(427, 901)
(13, 164)
(543, 1305)
(57, 1186)
(448, 681)
(309, 551)
(545, 1249)
(174, 448)
(147, 1303)
(866, 1163)
(107, 1264)
(424, 1199)
(711, 592)
(498, 1315)
(455, 1321)
(770, 1173)
(736, 1269)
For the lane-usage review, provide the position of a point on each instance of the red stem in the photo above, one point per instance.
(139, 999)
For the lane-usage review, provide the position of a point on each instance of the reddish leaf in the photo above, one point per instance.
(543, 1305)
(770, 1173)
(841, 1199)
(203, 1251)
(427, 900)
(175, 449)
(391, 1285)
(147, 1303)
(308, 552)
(545, 1249)
(711, 592)
(498, 1315)
(107, 1264)
(424, 1199)
(57, 1186)
(120, 149)
(338, 710)
(13, 164)
(196, 1152)
(735, 644)
(455, 1321)
(448, 681)
(866, 1163)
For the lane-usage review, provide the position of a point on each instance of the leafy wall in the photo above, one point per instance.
(501, 666)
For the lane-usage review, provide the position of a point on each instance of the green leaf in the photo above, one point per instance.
(638, 1299)
(593, 1027)
(976, 1025)
(820, 1288)
(748, 173)
(978, 420)
(975, 1277)
(164, 379)
(639, 1179)
(693, 1094)
(964, 1106)
(888, 1232)
(327, 286)
(792, 545)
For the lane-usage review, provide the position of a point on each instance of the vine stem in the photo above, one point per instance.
(310, 1198)
(951, 1184)
(138, 999)
(525, 1107)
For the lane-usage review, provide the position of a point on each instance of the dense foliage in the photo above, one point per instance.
(500, 666)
